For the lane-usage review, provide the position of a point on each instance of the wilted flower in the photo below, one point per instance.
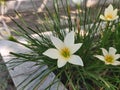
(64, 51)
(109, 14)
(3, 7)
(4, 31)
(2, 2)
(77, 1)
(109, 57)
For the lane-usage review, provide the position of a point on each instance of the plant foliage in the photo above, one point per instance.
(94, 34)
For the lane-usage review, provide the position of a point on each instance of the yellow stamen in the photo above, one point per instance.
(109, 16)
(65, 52)
(109, 58)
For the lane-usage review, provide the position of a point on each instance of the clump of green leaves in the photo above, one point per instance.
(91, 31)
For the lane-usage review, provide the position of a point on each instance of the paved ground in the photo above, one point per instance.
(5, 79)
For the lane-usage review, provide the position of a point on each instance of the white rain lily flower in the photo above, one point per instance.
(109, 14)
(64, 51)
(4, 31)
(109, 57)
(2, 2)
(77, 1)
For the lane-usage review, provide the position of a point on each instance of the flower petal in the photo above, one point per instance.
(104, 51)
(117, 56)
(61, 63)
(108, 10)
(76, 60)
(52, 53)
(116, 63)
(69, 39)
(115, 12)
(102, 17)
(99, 57)
(110, 7)
(112, 51)
(75, 47)
(116, 17)
(57, 42)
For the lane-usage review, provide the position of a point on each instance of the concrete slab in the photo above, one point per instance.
(21, 72)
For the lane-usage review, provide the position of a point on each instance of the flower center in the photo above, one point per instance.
(4, 32)
(109, 58)
(65, 52)
(109, 16)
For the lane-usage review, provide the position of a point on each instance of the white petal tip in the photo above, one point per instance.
(60, 66)
(82, 65)
(44, 53)
(61, 63)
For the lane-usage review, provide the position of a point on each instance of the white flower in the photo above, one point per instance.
(4, 31)
(77, 1)
(109, 14)
(2, 2)
(64, 51)
(109, 57)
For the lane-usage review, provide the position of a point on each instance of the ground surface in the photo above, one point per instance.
(5, 79)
